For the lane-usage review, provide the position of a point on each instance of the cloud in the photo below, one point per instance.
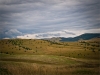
(69, 32)
(35, 16)
(64, 33)
(12, 33)
(6, 38)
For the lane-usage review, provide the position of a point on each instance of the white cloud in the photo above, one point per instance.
(27, 36)
(63, 33)
(6, 38)
(12, 33)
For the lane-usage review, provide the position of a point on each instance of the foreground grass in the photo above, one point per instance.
(22, 68)
(46, 65)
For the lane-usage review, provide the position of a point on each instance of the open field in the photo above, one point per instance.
(41, 57)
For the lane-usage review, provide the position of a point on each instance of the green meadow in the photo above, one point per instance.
(43, 57)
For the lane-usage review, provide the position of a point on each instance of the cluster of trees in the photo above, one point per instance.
(91, 45)
(26, 48)
(57, 43)
(15, 42)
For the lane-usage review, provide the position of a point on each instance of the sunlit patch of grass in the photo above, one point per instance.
(41, 59)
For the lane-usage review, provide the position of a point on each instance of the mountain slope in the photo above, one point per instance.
(85, 36)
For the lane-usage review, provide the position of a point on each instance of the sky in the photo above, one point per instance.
(36, 19)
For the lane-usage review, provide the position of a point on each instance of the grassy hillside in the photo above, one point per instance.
(41, 57)
(43, 47)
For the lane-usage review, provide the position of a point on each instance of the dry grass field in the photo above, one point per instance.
(42, 57)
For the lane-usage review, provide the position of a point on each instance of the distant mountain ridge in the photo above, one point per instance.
(85, 36)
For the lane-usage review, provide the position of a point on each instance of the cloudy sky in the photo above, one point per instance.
(48, 18)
